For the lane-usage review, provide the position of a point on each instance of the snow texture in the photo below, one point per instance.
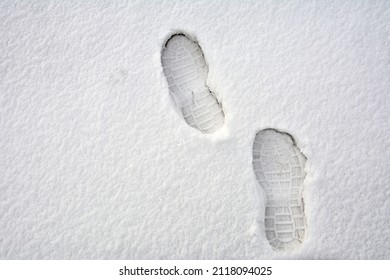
(96, 163)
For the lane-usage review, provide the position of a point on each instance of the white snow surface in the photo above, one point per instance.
(96, 163)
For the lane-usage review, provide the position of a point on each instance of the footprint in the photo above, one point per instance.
(186, 71)
(279, 168)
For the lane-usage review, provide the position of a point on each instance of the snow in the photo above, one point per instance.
(97, 164)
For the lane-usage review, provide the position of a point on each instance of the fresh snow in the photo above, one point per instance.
(97, 164)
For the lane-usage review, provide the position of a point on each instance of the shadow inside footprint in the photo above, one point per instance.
(279, 168)
(186, 72)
